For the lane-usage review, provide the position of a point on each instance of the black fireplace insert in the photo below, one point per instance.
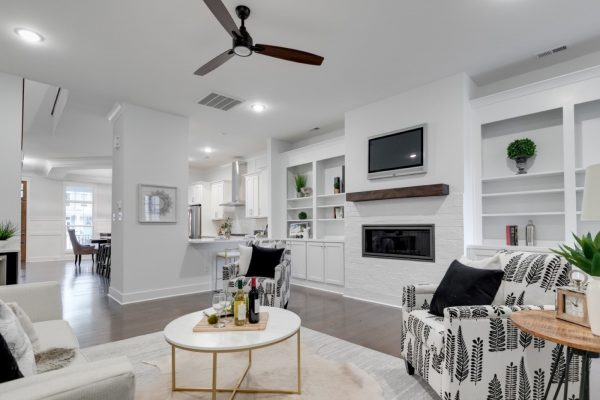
(408, 242)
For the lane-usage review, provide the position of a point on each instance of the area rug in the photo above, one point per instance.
(331, 369)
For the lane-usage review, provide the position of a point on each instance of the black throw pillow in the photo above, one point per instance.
(264, 261)
(465, 286)
(9, 370)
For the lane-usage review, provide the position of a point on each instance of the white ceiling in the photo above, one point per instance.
(145, 52)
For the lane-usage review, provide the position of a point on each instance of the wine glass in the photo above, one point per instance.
(218, 303)
(228, 302)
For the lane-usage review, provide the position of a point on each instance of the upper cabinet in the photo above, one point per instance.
(195, 194)
(220, 192)
(256, 195)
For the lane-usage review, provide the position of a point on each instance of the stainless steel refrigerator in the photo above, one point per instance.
(195, 221)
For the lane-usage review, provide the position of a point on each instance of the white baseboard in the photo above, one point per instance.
(318, 286)
(146, 295)
(51, 258)
(372, 301)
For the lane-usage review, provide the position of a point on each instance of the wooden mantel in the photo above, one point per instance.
(440, 189)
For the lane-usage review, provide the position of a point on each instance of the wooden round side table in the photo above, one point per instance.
(577, 339)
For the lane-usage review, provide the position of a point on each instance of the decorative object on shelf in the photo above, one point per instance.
(512, 235)
(157, 203)
(337, 185)
(521, 150)
(302, 215)
(306, 191)
(306, 233)
(530, 234)
(297, 228)
(343, 179)
(586, 256)
(300, 182)
(225, 228)
(338, 212)
(571, 301)
(8, 230)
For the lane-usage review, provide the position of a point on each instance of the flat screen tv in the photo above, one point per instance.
(397, 153)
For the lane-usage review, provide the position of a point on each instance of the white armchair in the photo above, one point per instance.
(107, 379)
(476, 352)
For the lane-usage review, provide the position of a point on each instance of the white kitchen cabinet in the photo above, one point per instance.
(220, 192)
(334, 263)
(195, 194)
(256, 195)
(314, 261)
(298, 259)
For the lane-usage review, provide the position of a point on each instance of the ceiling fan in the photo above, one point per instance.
(243, 44)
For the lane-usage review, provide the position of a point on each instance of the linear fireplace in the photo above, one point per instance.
(408, 242)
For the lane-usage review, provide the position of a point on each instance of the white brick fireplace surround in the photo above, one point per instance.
(381, 279)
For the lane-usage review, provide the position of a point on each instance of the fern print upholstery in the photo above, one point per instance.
(476, 352)
(273, 292)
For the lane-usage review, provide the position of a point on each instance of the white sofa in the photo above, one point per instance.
(106, 379)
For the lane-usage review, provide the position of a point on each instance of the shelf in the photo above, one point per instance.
(580, 170)
(330, 219)
(523, 193)
(300, 220)
(333, 195)
(521, 176)
(579, 189)
(299, 198)
(331, 206)
(299, 208)
(439, 189)
(531, 214)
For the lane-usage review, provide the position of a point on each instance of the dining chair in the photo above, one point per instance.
(80, 249)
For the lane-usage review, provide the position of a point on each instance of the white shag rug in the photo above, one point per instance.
(331, 369)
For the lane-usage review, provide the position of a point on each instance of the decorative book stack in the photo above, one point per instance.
(512, 235)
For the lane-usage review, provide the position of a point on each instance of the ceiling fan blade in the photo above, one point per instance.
(220, 12)
(214, 63)
(288, 54)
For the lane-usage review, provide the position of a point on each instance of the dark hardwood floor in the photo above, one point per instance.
(97, 319)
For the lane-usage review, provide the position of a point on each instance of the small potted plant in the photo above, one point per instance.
(225, 228)
(521, 150)
(8, 230)
(302, 215)
(300, 181)
(336, 184)
(586, 256)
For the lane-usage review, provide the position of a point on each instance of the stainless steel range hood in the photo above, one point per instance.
(235, 186)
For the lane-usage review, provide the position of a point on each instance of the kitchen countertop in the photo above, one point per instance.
(209, 240)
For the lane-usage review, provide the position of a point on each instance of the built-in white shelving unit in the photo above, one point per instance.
(567, 136)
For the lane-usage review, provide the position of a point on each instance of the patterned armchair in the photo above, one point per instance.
(476, 352)
(274, 292)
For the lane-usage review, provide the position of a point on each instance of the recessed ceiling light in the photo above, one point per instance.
(413, 156)
(29, 35)
(257, 107)
(208, 150)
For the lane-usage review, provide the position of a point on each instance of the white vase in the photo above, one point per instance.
(593, 303)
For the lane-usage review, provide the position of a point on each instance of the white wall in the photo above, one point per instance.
(46, 239)
(442, 105)
(10, 148)
(152, 260)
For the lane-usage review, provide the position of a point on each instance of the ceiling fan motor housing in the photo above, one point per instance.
(242, 45)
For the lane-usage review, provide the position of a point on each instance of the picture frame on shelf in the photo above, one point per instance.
(296, 229)
(157, 204)
(338, 212)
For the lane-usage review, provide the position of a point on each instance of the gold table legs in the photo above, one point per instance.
(214, 389)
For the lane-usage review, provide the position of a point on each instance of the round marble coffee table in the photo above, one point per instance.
(281, 326)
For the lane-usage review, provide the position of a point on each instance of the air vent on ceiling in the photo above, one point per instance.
(551, 51)
(219, 101)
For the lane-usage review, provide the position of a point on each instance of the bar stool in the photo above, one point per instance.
(228, 256)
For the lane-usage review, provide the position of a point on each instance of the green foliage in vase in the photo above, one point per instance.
(7, 230)
(300, 181)
(521, 148)
(302, 215)
(226, 226)
(585, 254)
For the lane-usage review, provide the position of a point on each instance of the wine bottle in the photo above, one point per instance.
(239, 305)
(254, 304)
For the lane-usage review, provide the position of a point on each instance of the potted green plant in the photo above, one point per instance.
(336, 184)
(302, 215)
(585, 255)
(521, 150)
(225, 228)
(8, 230)
(300, 182)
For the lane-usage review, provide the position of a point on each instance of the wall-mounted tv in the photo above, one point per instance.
(397, 153)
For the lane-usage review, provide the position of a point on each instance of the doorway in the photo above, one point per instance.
(23, 221)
